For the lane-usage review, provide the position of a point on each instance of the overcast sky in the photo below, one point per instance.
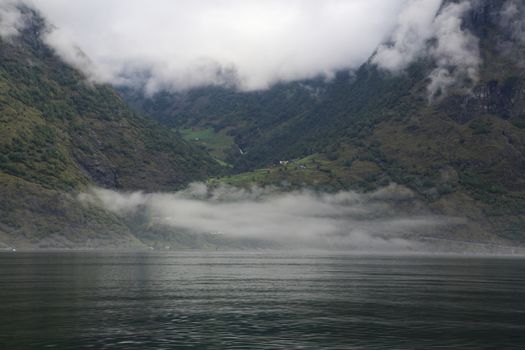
(185, 43)
(252, 44)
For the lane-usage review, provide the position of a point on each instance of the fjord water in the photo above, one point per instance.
(259, 301)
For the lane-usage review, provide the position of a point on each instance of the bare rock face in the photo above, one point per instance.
(102, 173)
(500, 89)
(504, 99)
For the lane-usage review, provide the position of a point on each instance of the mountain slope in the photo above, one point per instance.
(59, 134)
(463, 152)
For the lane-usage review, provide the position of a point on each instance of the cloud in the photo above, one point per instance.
(305, 218)
(252, 44)
(408, 42)
(426, 29)
(456, 51)
(512, 17)
(179, 44)
(11, 19)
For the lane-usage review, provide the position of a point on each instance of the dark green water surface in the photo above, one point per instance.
(219, 300)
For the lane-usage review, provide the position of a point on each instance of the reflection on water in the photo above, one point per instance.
(259, 301)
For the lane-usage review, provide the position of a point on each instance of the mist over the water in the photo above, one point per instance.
(303, 218)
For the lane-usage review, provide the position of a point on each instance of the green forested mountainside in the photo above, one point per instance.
(463, 153)
(60, 133)
(247, 117)
(288, 120)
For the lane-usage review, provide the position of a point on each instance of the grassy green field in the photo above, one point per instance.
(216, 143)
(314, 171)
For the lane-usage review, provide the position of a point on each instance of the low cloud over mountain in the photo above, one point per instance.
(250, 45)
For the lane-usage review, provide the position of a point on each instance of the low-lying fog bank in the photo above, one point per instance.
(384, 220)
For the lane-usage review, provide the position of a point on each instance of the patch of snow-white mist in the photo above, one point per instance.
(65, 46)
(426, 29)
(456, 51)
(512, 18)
(11, 19)
(408, 42)
(304, 218)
